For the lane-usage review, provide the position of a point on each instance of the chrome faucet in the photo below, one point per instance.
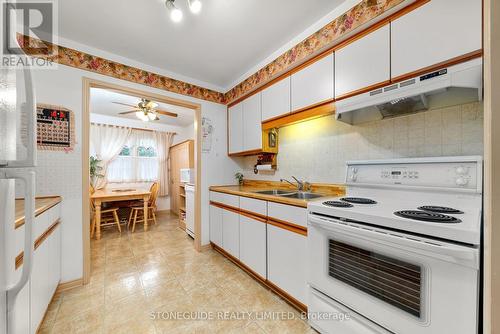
(301, 185)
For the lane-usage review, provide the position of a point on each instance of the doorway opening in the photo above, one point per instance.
(133, 133)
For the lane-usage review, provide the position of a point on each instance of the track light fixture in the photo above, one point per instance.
(176, 14)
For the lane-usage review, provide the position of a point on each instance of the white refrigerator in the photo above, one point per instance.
(17, 159)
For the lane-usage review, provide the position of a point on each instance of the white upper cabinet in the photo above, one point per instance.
(252, 123)
(276, 100)
(313, 84)
(235, 128)
(363, 63)
(435, 32)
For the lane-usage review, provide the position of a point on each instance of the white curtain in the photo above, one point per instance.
(164, 141)
(106, 142)
(140, 161)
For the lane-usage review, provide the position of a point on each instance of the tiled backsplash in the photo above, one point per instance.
(317, 150)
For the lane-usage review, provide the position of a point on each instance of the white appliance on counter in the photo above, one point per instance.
(17, 156)
(400, 253)
(189, 209)
(187, 175)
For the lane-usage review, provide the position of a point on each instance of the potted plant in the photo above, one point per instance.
(95, 170)
(239, 177)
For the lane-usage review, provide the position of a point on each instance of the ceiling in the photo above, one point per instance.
(101, 102)
(217, 46)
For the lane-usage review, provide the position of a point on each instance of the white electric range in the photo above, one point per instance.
(400, 252)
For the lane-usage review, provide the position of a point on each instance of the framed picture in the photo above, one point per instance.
(55, 128)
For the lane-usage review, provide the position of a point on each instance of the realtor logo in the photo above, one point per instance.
(28, 27)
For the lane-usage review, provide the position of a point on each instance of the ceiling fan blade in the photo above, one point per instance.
(166, 113)
(128, 112)
(125, 104)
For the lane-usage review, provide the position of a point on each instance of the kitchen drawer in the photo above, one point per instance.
(343, 319)
(226, 199)
(287, 213)
(45, 220)
(253, 205)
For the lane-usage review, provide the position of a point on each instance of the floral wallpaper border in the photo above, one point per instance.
(84, 61)
(358, 15)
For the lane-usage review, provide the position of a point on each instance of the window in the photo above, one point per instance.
(137, 161)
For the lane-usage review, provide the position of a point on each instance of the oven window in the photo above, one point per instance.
(393, 281)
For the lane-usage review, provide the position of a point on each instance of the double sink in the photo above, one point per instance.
(290, 194)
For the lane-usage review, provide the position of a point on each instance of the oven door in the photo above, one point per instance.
(403, 283)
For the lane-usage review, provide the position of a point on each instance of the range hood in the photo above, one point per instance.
(446, 87)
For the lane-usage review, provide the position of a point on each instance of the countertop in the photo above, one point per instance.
(42, 204)
(250, 187)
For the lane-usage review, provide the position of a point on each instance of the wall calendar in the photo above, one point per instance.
(55, 128)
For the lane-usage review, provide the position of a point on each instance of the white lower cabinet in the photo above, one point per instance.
(34, 299)
(231, 232)
(286, 261)
(39, 285)
(253, 244)
(216, 225)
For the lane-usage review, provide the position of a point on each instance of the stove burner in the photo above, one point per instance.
(358, 200)
(427, 216)
(440, 209)
(338, 204)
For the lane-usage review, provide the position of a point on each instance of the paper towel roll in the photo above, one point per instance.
(265, 167)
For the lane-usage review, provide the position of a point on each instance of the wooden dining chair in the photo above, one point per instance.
(108, 216)
(135, 210)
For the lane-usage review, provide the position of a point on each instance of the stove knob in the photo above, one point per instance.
(354, 177)
(461, 170)
(461, 181)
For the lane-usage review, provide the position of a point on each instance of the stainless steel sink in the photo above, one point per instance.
(302, 195)
(275, 192)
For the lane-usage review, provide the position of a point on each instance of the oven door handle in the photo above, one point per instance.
(467, 256)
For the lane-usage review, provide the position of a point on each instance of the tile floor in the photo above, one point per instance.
(139, 281)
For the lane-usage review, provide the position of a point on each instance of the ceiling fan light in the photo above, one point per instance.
(139, 114)
(151, 116)
(195, 6)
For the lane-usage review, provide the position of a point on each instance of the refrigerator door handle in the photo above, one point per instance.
(28, 178)
(28, 109)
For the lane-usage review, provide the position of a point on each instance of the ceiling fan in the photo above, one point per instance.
(146, 110)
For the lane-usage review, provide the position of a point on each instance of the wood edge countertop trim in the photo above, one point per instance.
(255, 216)
(287, 226)
(20, 257)
(57, 199)
(261, 197)
(264, 219)
(342, 43)
(252, 215)
(263, 281)
(317, 110)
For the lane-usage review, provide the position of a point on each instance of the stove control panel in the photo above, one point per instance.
(418, 173)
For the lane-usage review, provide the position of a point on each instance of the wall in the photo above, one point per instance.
(317, 150)
(60, 173)
(492, 167)
(163, 203)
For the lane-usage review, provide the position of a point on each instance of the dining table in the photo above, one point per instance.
(115, 195)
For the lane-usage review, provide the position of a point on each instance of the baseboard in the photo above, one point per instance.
(205, 248)
(69, 285)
